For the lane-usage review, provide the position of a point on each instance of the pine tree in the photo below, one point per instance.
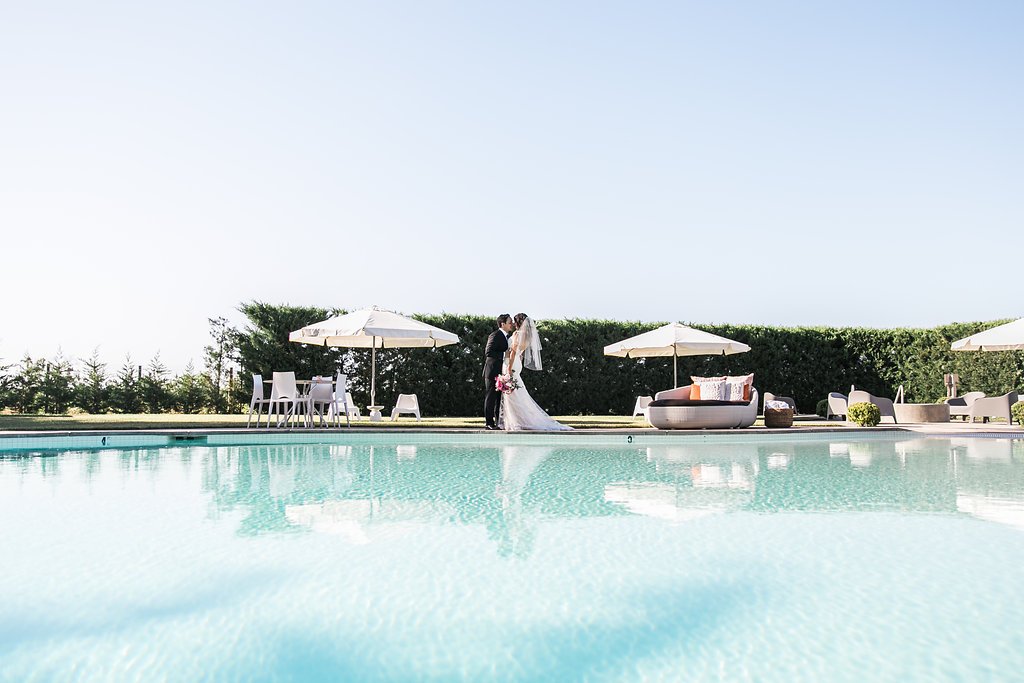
(93, 392)
(190, 392)
(155, 387)
(27, 386)
(59, 383)
(124, 393)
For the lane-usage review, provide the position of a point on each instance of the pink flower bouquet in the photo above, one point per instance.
(506, 384)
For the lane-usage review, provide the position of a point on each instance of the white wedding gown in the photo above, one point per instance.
(521, 412)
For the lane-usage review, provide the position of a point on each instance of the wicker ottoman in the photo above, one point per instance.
(778, 417)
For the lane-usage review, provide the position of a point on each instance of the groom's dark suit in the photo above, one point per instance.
(494, 354)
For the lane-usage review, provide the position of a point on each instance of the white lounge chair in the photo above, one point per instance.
(995, 406)
(961, 405)
(352, 409)
(837, 405)
(640, 407)
(406, 403)
(885, 406)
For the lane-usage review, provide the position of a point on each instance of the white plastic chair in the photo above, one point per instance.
(406, 403)
(257, 401)
(320, 402)
(341, 401)
(284, 393)
(640, 407)
(353, 409)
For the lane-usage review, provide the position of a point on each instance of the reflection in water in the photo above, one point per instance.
(363, 493)
(518, 527)
(705, 479)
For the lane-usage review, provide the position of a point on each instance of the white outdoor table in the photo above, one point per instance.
(375, 413)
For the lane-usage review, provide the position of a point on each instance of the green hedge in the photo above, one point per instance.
(805, 363)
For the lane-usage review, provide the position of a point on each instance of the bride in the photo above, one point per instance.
(519, 409)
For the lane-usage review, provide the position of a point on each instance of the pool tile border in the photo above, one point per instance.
(51, 441)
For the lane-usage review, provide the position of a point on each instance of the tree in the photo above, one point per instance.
(155, 387)
(27, 385)
(216, 358)
(57, 391)
(6, 385)
(124, 393)
(93, 392)
(190, 391)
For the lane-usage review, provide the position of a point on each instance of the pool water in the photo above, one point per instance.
(748, 560)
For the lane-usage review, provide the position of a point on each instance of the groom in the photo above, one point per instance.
(494, 353)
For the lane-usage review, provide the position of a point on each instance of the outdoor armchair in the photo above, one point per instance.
(885, 406)
(837, 405)
(961, 405)
(995, 406)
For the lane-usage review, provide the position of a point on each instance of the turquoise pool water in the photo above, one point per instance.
(875, 559)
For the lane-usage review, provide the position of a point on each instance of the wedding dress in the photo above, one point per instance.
(519, 410)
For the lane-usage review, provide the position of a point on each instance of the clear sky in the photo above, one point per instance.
(793, 163)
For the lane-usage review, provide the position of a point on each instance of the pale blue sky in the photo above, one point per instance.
(645, 161)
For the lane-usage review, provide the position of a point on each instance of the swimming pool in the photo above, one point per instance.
(399, 557)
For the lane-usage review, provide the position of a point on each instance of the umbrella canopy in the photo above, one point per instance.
(1008, 337)
(674, 340)
(373, 328)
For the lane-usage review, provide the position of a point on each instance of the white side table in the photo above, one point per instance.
(375, 413)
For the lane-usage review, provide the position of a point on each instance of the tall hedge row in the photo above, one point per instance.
(805, 362)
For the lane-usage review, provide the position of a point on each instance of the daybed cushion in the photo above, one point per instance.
(715, 391)
(738, 388)
(682, 402)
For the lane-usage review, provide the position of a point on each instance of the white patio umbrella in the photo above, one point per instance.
(373, 328)
(674, 340)
(1008, 337)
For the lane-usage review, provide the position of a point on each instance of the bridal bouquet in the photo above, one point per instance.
(506, 384)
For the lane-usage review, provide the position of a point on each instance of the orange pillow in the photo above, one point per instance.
(695, 392)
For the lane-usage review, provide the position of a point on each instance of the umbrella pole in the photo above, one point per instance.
(675, 368)
(373, 373)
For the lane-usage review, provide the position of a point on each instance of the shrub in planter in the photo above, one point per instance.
(821, 410)
(864, 414)
(1017, 411)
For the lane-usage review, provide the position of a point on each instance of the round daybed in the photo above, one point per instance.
(673, 409)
